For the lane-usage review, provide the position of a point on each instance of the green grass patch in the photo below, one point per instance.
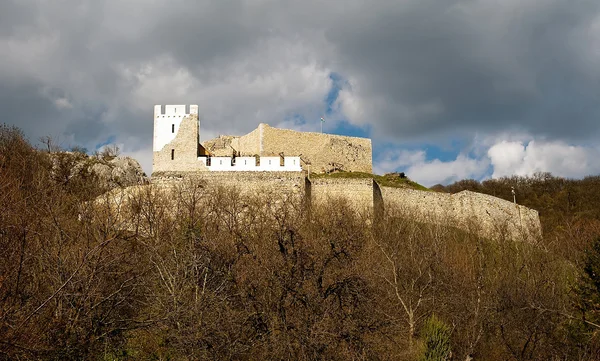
(388, 180)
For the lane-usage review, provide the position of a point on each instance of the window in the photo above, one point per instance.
(172, 128)
(172, 154)
(245, 162)
(269, 162)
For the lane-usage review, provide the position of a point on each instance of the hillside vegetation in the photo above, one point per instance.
(205, 273)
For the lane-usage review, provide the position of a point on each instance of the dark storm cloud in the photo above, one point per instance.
(485, 67)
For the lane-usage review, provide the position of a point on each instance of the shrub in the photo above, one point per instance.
(436, 337)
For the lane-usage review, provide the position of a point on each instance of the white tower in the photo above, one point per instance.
(176, 145)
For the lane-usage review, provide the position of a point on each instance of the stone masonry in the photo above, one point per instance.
(356, 192)
(322, 152)
(477, 213)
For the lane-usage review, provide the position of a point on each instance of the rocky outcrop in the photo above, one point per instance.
(110, 171)
(120, 172)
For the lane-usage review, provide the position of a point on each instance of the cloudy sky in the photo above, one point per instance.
(447, 89)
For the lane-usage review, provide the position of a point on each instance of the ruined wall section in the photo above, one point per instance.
(264, 184)
(222, 146)
(322, 151)
(225, 145)
(182, 151)
(249, 144)
(477, 213)
(356, 192)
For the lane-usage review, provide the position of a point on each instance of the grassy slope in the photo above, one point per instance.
(383, 180)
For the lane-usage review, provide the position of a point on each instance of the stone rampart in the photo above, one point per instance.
(356, 192)
(477, 213)
(249, 144)
(249, 183)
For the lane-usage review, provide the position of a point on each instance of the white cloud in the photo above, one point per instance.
(556, 157)
(63, 103)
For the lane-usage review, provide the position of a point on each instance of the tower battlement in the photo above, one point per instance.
(167, 110)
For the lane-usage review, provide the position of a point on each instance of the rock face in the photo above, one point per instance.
(120, 172)
(111, 172)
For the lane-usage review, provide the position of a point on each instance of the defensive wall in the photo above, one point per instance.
(476, 213)
(355, 192)
(246, 183)
(322, 152)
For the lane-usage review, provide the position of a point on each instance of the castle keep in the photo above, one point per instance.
(278, 162)
(177, 148)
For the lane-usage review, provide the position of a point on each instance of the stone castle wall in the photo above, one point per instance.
(477, 213)
(356, 192)
(322, 151)
(249, 144)
(247, 183)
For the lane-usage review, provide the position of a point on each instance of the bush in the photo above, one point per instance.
(436, 338)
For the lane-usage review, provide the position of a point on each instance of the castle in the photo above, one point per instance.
(177, 148)
(279, 162)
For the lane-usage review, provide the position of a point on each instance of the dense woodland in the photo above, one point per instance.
(195, 272)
